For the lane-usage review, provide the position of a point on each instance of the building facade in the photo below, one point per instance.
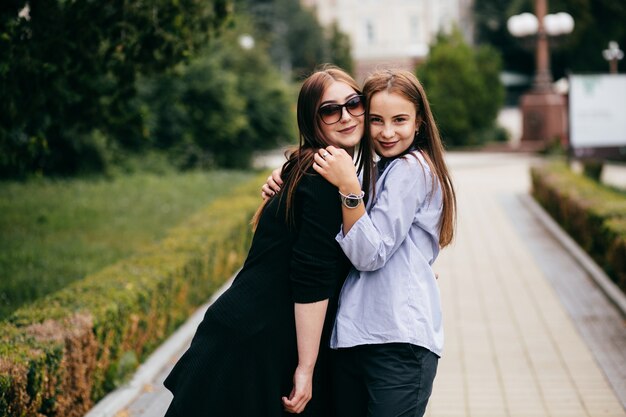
(392, 33)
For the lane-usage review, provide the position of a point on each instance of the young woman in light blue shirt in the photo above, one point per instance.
(388, 333)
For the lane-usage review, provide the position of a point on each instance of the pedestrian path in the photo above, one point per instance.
(512, 346)
(528, 333)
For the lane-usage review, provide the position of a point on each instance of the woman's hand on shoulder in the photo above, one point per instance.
(272, 185)
(337, 167)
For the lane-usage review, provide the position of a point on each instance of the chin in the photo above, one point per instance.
(349, 144)
(384, 153)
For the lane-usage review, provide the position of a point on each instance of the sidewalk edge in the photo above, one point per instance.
(602, 280)
(117, 400)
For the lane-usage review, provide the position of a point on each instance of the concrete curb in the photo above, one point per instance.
(119, 399)
(602, 280)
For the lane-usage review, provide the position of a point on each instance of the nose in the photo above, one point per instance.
(345, 115)
(388, 132)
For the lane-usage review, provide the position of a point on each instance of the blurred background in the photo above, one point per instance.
(128, 129)
(93, 89)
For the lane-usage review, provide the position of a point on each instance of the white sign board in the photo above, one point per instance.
(597, 111)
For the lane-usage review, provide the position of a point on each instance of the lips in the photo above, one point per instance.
(387, 144)
(348, 130)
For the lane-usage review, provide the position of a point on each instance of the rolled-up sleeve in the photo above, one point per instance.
(376, 236)
(316, 256)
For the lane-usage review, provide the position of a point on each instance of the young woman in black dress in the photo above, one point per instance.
(257, 352)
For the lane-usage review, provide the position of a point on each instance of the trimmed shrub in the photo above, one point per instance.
(64, 352)
(593, 214)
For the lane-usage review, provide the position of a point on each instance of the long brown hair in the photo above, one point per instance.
(427, 139)
(300, 160)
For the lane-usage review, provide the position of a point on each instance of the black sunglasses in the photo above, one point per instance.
(331, 113)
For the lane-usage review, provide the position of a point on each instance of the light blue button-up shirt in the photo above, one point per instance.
(391, 294)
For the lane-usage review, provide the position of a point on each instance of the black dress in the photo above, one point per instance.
(242, 358)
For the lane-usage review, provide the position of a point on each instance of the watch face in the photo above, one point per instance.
(351, 202)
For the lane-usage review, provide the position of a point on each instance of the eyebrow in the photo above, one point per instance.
(395, 115)
(335, 101)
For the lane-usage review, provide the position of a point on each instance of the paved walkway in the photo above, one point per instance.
(517, 310)
(528, 333)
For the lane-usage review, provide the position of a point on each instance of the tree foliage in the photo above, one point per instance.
(463, 88)
(219, 108)
(68, 72)
(71, 74)
(340, 48)
(296, 40)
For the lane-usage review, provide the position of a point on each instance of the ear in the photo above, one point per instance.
(418, 123)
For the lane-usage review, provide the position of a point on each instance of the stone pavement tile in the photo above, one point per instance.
(604, 407)
(156, 398)
(437, 411)
(527, 412)
(151, 403)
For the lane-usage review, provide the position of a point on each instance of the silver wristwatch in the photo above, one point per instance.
(352, 200)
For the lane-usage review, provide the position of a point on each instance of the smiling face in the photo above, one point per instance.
(393, 123)
(348, 131)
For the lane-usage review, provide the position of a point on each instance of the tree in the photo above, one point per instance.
(340, 49)
(307, 43)
(225, 104)
(296, 40)
(463, 88)
(68, 72)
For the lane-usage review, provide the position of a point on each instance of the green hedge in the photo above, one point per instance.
(593, 214)
(64, 352)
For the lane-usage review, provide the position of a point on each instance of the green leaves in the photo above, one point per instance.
(84, 81)
(297, 41)
(463, 88)
(222, 106)
(71, 69)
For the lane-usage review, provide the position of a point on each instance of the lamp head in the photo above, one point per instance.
(524, 24)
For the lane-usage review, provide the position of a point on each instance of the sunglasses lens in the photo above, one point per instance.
(330, 114)
(355, 106)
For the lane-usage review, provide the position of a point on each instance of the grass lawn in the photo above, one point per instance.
(53, 232)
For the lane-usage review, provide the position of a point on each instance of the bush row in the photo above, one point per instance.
(64, 352)
(593, 214)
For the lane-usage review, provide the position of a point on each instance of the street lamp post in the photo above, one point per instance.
(544, 116)
(613, 54)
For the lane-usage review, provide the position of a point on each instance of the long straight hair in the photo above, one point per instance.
(427, 139)
(300, 161)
